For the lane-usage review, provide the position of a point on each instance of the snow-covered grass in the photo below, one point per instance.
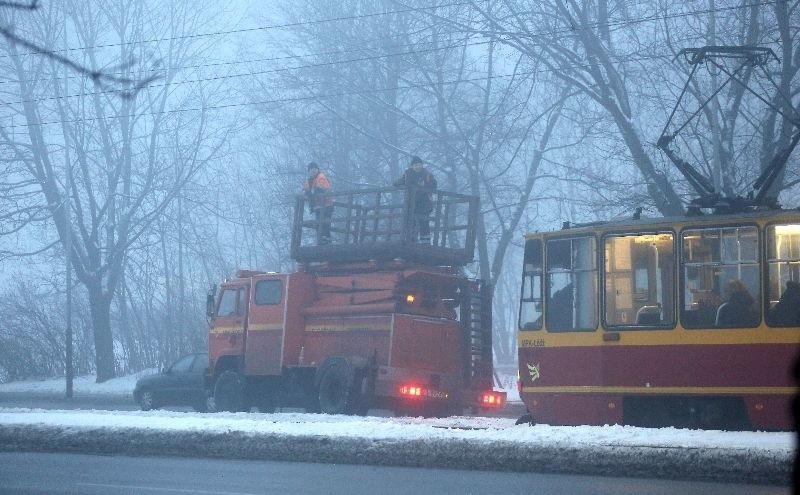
(490, 429)
(82, 385)
(457, 442)
(500, 427)
(766, 456)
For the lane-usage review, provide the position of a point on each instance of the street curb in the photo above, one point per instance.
(702, 464)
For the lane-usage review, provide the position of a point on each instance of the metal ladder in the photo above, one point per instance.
(476, 321)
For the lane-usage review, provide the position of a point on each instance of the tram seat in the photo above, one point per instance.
(719, 311)
(648, 315)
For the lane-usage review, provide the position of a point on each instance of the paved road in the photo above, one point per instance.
(66, 474)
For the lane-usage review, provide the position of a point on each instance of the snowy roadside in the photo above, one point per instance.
(461, 442)
(83, 386)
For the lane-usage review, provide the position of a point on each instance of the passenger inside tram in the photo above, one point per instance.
(786, 311)
(739, 307)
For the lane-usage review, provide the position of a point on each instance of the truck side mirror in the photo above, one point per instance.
(210, 301)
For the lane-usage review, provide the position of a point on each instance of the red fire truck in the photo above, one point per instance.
(370, 319)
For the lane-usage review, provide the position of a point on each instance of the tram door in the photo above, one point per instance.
(640, 280)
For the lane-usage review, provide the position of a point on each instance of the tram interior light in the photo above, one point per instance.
(790, 229)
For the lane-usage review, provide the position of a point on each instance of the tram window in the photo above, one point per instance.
(530, 307)
(639, 280)
(783, 275)
(571, 284)
(721, 281)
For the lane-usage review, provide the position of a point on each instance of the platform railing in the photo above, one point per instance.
(381, 223)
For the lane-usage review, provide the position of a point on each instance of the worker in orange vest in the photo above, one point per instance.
(317, 190)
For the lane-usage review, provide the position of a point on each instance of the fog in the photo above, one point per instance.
(162, 143)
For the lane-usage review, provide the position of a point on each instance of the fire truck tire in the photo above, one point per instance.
(334, 389)
(229, 392)
(360, 394)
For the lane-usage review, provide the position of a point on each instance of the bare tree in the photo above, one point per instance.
(114, 149)
(572, 40)
(619, 56)
(106, 80)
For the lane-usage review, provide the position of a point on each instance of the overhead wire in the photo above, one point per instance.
(354, 17)
(324, 96)
(565, 30)
(360, 59)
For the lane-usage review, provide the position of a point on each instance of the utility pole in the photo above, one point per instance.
(68, 247)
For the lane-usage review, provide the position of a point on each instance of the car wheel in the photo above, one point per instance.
(211, 404)
(229, 392)
(147, 401)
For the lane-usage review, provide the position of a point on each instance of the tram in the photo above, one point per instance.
(690, 322)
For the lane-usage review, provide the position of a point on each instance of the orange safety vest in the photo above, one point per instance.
(317, 190)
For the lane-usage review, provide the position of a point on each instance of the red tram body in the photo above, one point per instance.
(625, 322)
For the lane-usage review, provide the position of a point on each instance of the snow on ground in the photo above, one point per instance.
(456, 442)
(81, 385)
(782, 443)
(379, 428)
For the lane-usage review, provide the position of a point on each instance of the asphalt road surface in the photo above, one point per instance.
(62, 474)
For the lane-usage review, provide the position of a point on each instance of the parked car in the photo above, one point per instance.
(178, 385)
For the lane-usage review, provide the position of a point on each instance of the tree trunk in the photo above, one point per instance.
(100, 309)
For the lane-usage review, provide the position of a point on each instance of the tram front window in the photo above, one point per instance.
(639, 280)
(721, 283)
(530, 307)
(783, 262)
(571, 284)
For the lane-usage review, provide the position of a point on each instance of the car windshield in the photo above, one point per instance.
(182, 365)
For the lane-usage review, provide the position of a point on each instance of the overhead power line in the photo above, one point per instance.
(364, 59)
(373, 57)
(566, 30)
(319, 96)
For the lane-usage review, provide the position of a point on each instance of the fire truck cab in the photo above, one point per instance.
(371, 319)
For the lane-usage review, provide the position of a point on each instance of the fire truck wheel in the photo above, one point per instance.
(334, 390)
(229, 392)
(361, 394)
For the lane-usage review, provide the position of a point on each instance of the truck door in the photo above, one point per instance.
(228, 331)
(266, 328)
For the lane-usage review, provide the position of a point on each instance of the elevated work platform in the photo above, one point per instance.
(381, 224)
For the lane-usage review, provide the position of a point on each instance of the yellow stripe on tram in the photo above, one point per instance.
(661, 390)
(678, 336)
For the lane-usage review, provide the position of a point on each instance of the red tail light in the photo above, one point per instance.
(414, 391)
(493, 399)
